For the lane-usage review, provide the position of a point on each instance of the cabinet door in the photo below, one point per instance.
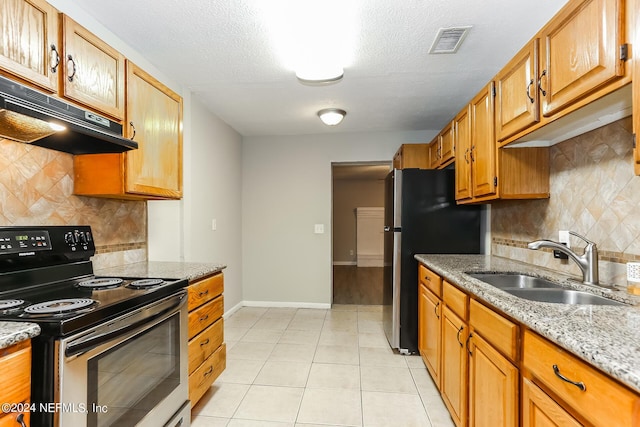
(454, 366)
(463, 159)
(580, 52)
(483, 150)
(539, 410)
(434, 153)
(430, 331)
(154, 115)
(94, 71)
(517, 101)
(29, 41)
(447, 144)
(493, 387)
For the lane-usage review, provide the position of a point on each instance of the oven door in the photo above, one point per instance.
(129, 371)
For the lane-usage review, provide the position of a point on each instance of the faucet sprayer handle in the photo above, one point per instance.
(573, 233)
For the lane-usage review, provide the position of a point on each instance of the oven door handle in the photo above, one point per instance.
(141, 317)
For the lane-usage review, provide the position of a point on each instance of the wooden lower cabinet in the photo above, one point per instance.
(454, 366)
(494, 372)
(15, 386)
(592, 396)
(430, 331)
(493, 387)
(539, 410)
(207, 351)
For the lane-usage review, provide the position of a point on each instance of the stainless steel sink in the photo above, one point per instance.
(562, 296)
(514, 280)
(538, 289)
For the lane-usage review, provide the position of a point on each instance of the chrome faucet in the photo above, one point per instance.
(588, 261)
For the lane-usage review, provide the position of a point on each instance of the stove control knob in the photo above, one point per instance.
(70, 238)
(82, 238)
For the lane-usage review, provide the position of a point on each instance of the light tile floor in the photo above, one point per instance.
(290, 367)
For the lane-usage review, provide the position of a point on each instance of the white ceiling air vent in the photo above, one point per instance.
(448, 40)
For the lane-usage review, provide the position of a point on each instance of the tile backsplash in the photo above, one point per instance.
(594, 192)
(36, 188)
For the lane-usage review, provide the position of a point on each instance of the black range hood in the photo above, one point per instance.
(32, 117)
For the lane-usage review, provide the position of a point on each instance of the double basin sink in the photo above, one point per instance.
(539, 289)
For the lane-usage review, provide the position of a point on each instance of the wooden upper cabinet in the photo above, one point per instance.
(517, 100)
(29, 42)
(580, 52)
(154, 116)
(483, 151)
(93, 71)
(447, 145)
(154, 170)
(412, 156)
(434, 153)
(462, 134)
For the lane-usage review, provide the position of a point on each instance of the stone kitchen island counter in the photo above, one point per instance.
(165, 270)
(14, 332)
(607, 337)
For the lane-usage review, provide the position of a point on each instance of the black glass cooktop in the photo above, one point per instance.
(69, 306)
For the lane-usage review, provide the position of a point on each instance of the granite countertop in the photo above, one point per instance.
(607, 337)
(164, 270)
(14, 332)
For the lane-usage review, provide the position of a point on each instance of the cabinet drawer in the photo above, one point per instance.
(500, 332)
(602, 402)
(10, 420)
(204, 316)
(204, 290)
(202, 378)
(431, 280)
(15, 365)
(205, 343)
(455, 299)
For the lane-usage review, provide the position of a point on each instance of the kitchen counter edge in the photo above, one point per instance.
(163, 269)
(607, 337)
(15, 332)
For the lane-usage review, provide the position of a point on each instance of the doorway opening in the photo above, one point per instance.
(357, 231)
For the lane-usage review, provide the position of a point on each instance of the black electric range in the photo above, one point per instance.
(46, 277)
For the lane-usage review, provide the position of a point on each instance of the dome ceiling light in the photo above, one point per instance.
(331, 116)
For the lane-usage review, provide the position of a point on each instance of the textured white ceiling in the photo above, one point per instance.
(222, 51)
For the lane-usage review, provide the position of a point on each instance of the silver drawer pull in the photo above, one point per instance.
(205, 342)
(203, 318)
(201, 294)
(580, 384)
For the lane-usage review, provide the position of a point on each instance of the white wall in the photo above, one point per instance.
(286, 189)
(213, 187)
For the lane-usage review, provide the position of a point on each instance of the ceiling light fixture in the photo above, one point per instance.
(320, 78)
(331, 116)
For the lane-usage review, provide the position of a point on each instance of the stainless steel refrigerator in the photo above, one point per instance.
(421, 217)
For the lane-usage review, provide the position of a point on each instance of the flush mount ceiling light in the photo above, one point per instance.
(331, 116)
(316, 40)
(320, 77)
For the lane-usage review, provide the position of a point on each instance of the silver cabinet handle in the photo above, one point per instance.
(580, 384)
(71, 62)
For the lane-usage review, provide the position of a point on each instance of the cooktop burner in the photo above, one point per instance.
(104, 283)
(60, 306)
(46, 276)
(8, 304)
(145, 283)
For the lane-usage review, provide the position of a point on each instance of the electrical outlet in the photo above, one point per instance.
(351, 252)
(318, 228)
(214, 224)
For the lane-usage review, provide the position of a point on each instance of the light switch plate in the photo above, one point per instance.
(563, 237)
(319, 229)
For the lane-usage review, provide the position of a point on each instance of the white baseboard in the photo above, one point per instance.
(344, 263)
(286, 304)
(232, 310)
